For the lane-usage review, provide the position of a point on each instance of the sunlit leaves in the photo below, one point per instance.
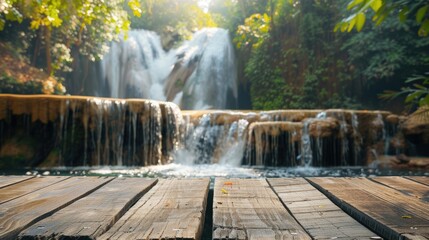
(358, 18)
(380, 10)
(135, 7)
(88, 25)
(254, 31)
(376, 5)
(8, 13)
(360, 21)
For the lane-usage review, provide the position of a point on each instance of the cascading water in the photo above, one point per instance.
(81, 131)
(200, 74)
(208, 143)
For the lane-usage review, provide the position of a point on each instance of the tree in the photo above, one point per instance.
(60, 25)
(380, 10)
(176, 17)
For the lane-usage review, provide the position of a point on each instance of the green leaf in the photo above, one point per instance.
(376, 5)
(344, 26)
(413, 96)
(351, 24)
(360, 21)
(380, 18)
(421, 13)
(419, 86)
(403, 14)
(424, 101)
(2, 23)
(424, 28)
(337, 27)
(354, 3)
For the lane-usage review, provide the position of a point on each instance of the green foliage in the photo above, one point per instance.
(268, 89)
(181, 17)
(416, 95)
(380, 10)
(291, 65)
(389, 53)
(254, 32)
(60, 25)
(10, 85)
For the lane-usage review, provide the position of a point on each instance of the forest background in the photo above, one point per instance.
(290, 53)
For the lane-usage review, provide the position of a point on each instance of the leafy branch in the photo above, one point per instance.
(381, 9)
(417, 94)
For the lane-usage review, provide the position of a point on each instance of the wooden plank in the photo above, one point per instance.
(249, 209)
(9, 180)
(386, 211)
(25, 187)
(22, 212)
(173, 209)
(420, 179)
(320, 217)
(92, 215)
(405, 186)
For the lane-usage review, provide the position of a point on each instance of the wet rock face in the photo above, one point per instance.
(416, 131)
(332, 137)
(81, 131)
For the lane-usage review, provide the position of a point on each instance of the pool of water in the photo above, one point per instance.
(217, 170)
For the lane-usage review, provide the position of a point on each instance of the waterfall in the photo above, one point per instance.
(199, 74)
(87, 131)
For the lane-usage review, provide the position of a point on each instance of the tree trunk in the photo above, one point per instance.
(48, 50)
(37, 47)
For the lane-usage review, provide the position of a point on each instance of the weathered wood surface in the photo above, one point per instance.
(173, 209)
(22, 212)
(420, 179)
(249, 209)
(320, 217)
(405, 186)
(92, 215)
(25, 187)
(390, 213)
(9, 180)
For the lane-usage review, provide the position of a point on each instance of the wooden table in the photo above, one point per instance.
(56, 207)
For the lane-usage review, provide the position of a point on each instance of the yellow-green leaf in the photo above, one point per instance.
(403, 14)
(354, 3)
(360, 21)
(337, 27)
(35, 24)
(376, 5)
(344, 26)
(424, 28)
(351, 24)
(380, 18)
(2, 23)
(421, 13)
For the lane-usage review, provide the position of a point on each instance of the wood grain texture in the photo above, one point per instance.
(92, 215)
(25, 187)
(173, 209)
(405, 186)
(386, 211)
(320, 217)
(22, 212)
(420, 179)
(249, 209)
(9, 180)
